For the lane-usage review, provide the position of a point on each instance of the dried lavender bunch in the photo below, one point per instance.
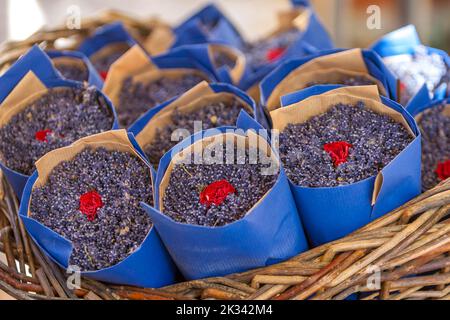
(256, 53)
(211, 116)
(416, 70)
(102, 63)
(376, 140)
(187, 181)
(434, 124)
(120, 226)
(348, 81)
(72, 72)
(221, 59)
(135, 98)
(69, 114)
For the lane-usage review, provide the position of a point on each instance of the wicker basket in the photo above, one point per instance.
(69, 39)
(403, 255)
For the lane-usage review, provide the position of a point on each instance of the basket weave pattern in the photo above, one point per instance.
(406, 252)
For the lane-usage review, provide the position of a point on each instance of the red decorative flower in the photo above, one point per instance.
(443, 170)
(338, 151)
(90, 202)
(42, 135)
(402, 86)
(216, 193)
(274, 53)
(103, 74)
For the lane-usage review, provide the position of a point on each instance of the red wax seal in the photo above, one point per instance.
(103, 74)
(274, 53)
(216, 193)
(443, 170)
(90, 202)
(338, 151)
(42, 135)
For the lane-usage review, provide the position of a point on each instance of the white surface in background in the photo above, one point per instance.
(254, 18)
(24, 18)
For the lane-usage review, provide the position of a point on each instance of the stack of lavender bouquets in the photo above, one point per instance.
(87, 142)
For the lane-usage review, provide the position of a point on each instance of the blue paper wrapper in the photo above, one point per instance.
(208, 25)
(202, 89)
(136, 61)
(37, 62)
(269, 233)
(421, 101)
(400, 41)
(301, 3)
(332, 213)
(93, 76)
(104, 36)
(148, 266)
(312, 39)
(354, 61)
(225, 73)
(405, 41)
(110, 34)
(140, 67)
(191, 57)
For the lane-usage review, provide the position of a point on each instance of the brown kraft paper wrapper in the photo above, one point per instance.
(160, 39)
(69, 61)
(315, 105)
(116, 140)
(198, 147)
(238, 70)
(297, 18)
(27, 90)
(197, 98)
(328, 69)
(135, 63)
(107, 50)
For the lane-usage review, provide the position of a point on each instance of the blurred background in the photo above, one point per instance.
(344, 19)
